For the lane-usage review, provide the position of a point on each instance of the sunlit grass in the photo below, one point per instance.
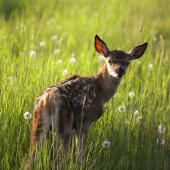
(46, 38)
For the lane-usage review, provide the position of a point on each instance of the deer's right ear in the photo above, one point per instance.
(100, 46)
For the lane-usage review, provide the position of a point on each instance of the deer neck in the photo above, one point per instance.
(108, 84)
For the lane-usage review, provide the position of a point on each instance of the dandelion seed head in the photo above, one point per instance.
(56, 51)
(27, 115)
(139, 118)
(136, 112)
(65, 72)
(10, 78)
(150, 66)
(121, 108)
(161, 141)
(96, 14)
(100, 58)
(59, 61)
(117, 95)
(106, 144)
(58, 41)
(72, 55)
(42, 43)
(161, 129)
(139, 62)
(72, 60)
(54, 37)
(32, 53)
(6, 60)
(155, 39)
(131, 94)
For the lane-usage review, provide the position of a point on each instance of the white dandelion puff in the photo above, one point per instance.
(54, 37)
(136, 112)
(150, 66)
(96, 14)
(100, 58)
(56, 51)
(10, 78)
(106, 144)
(117, 95)
(161, 129)
(32, 53)
(131, 94)
(139, 62)
(72, 55)
(160, 141)
(72, 60)
(59, 61)
(139, 118)
(27, 115)
(42, 43)
(65, 72)
(6, 60)
(58, 41)
(121, 108)
(155, 39)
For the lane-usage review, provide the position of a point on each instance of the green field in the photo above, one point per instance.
(67, 29)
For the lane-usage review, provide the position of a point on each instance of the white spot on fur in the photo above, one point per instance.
(84, 88)
(90, 101)
(94, 105)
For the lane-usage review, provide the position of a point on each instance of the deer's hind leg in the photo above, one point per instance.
(64, 132)
(40, 129)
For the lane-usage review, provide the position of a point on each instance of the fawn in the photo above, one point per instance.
(77, 102)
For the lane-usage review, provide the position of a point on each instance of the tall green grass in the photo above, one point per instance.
(123, 25)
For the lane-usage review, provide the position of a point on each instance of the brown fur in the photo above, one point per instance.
(77, 102)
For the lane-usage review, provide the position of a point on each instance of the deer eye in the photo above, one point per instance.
(128, 63)
(110, 62)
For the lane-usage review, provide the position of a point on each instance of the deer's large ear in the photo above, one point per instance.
(100, 46)
(137, 52)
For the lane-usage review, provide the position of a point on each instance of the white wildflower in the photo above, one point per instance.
(57, 51)
(65, 72)
(121, 108)
(58, 41)
(72, 12)
(139, 62)
(155, 39)
(139, 118)
(10, 78)
(27, 115)
(36, 47)
(136, 112)
(100, 58)
(72, 55)
(106, 144)
(150, 66)
(72, 60)
(160, 141)
(161, 129)
(6, 60)
(42, 44)
(54, 37)
(131, 94)
(32, 53)
(3, 37)
(117, 95)
(59, 61)
(96, 14)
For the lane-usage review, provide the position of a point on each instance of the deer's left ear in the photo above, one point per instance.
(137, 52)
(100, 46)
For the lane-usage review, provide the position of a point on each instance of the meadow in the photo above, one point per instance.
(43, 42)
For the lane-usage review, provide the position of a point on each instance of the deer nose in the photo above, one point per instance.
(121, 71)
